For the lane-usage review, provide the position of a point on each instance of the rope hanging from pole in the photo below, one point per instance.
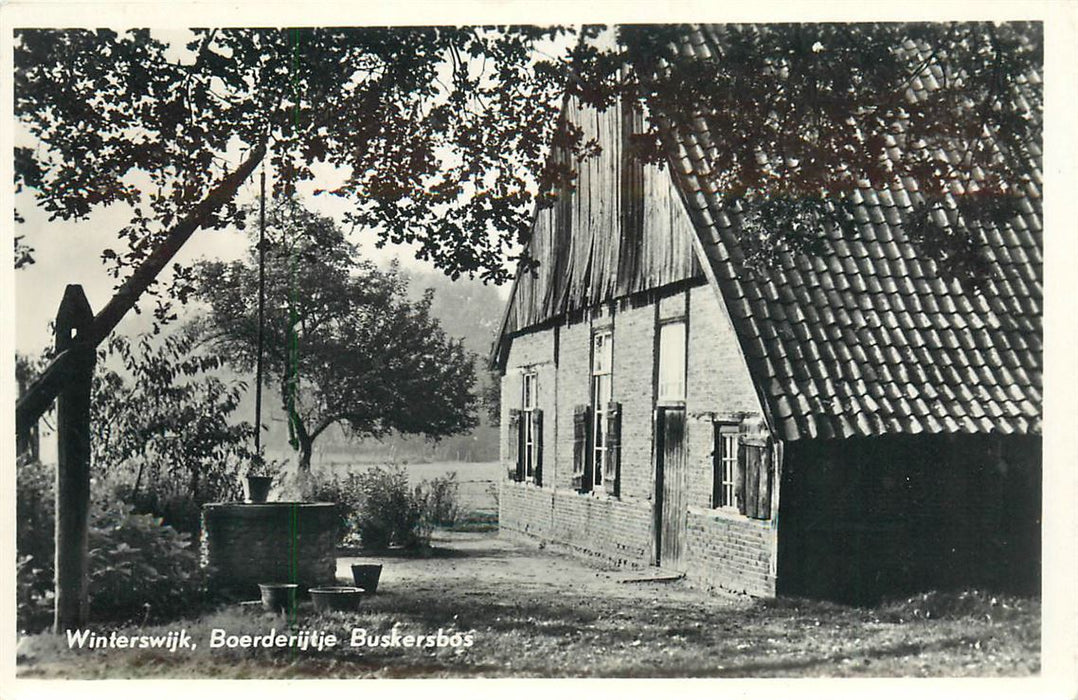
(261, 310)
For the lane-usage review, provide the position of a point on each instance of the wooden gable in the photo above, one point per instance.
(623, 230)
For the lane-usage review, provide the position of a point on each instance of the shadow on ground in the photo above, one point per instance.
(534, 612)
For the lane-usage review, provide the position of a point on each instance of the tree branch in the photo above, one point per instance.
(42, 392)
(323, 426)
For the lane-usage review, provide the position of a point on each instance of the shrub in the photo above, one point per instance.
(164, 432)
(440, 496)
(387, 511)
(34, 542)
(165, 437)
(34, 593)
(35, 508)
(136, 565)
(346, 493)
(378, 508)
(139, 565)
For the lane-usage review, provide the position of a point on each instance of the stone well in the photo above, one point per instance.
(246, 544)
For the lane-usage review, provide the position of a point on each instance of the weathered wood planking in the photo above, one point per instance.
(600, 241)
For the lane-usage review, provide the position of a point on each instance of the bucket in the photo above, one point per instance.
(279, 597)
(366, 576)
(258, 488)
(344, 598)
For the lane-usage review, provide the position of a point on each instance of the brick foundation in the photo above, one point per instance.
(724, 550)
(618, 531)
(731, 552)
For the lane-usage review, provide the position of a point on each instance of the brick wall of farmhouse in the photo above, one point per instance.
(633, 388)
(722, 549)
(616, 531)
(717, 387)
(731, 552)
(574, 358)
(726, 549)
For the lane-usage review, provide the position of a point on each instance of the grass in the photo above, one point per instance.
(476, 521)
(535, 613)
(543, 638)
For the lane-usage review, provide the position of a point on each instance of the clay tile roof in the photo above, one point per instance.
(928, 355)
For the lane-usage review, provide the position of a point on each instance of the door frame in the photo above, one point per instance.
(660, 505)
(657, 506)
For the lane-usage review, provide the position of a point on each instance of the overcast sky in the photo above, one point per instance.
(69, 252)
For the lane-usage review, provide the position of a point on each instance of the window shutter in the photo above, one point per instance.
(613, 443)
(739, 478)
(512, 454)
(521, 448)
(763, 474)
(751, 478)
(581, 476)
(537, 436)
(757, 479)
(716, 466)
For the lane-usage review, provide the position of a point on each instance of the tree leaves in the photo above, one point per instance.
(368, 357)
(789, 117)
(441, 135)
(163, 421)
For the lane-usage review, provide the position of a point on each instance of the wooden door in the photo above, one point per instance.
(671, 487)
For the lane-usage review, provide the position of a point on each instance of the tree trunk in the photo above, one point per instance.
(193, 488)
(306, 442)
(138, 479)
(306, 447)
(305, 450)
(301, 439)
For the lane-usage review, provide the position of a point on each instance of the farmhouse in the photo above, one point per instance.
(843, 425)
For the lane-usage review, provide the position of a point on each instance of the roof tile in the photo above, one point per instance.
(940, 333)
(873, 333)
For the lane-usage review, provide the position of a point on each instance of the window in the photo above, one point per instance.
(724, 492)
(525, 433)
(597, 426)
(743, 466)
(601, 393)
(672, 363)
(529, 446)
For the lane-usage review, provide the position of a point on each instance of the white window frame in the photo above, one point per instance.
(602, 393)
(726, 465)
(672, 361)
(529, 400)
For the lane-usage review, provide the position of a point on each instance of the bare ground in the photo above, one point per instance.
(531, 611)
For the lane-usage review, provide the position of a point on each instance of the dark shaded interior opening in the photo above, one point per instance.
(872, 518)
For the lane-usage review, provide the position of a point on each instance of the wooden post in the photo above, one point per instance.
(73, 461)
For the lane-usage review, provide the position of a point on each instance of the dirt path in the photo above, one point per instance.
(542, 611)
(482, 561)
(531, 612)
